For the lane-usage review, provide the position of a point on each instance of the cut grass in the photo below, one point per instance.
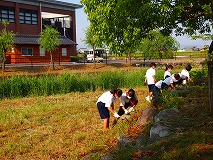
(57, 127)
(68, 126)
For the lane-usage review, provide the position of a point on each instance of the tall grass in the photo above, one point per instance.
(25, 86)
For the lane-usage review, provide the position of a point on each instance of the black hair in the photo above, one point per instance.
(131, 93)
(188, 67)
(177, 76)
(119, 92)
(168, 66)
(152, 64)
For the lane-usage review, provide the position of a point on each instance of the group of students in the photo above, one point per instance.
(106, 102)
(169, 81)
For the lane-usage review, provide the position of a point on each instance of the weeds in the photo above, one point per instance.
(24, 86)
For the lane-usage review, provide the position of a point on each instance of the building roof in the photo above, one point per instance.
(33, 39)
(50, 4)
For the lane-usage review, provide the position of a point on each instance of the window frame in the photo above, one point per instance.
(27, 49)
(64, 51)
(27, 16)
(7, 14)
(42, 52)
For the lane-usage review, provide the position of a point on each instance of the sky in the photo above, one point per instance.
(82, 23)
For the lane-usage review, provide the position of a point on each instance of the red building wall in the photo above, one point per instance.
(16, 56)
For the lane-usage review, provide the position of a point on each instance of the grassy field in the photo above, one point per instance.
(68, 126)
(186, 54)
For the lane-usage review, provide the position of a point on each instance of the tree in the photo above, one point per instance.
(6, 43)
(93, 40)
(112, 23)
(123, 22)
(156, 45)
(49, 41)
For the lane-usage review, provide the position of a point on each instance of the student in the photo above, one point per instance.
(167, 72)
(185, 74)
(169, 82)
(150, 79)
(128, 99)
(105, 105)
(157, 90)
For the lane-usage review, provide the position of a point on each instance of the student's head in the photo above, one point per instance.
(116, 93)
(153, 65)
(188, 67)
(130, 93)
(177, 76)
(169, 67)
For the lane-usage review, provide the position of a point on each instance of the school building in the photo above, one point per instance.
(27, 18)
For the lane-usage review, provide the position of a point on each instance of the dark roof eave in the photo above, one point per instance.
(33, 40)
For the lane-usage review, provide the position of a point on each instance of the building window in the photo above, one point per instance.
(64, 51)
(26, 51)
(28, 16)
(42, 52)
(7, 14)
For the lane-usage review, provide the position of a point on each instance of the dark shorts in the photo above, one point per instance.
(156, 92)
(121, 111)
(151, 87)
(164, 86)
(103, 111)
(178, 82)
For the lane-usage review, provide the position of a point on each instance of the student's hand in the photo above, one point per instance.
(145, 83)
(126, 111)
(116, 115)
(131, 109)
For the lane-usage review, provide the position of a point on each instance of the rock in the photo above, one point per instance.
(166, 114)
(147, 115)
(107, 157)
(159, 131)
(125, 140)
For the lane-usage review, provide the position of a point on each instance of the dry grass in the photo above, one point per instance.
(78, 68)
(69, 127)
(59, 127)
(56, 127)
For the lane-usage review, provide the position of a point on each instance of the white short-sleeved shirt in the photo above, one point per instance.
(184, 73)
(170, 80)
(125, 99)
(167, 73)
(158, 84)
(107, 98)
(149, 76)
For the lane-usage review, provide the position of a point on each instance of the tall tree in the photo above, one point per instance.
(49, 41)
(123, 21)
(156, 45)
(92, 40)
(120, 22)
(112, 22)
(6, 43)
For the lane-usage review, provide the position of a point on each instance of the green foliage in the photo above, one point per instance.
(158, 46)
(199, 77)
(169, 100)
(122, 24)
(49, 39)
(6, 42)
(22, 86)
